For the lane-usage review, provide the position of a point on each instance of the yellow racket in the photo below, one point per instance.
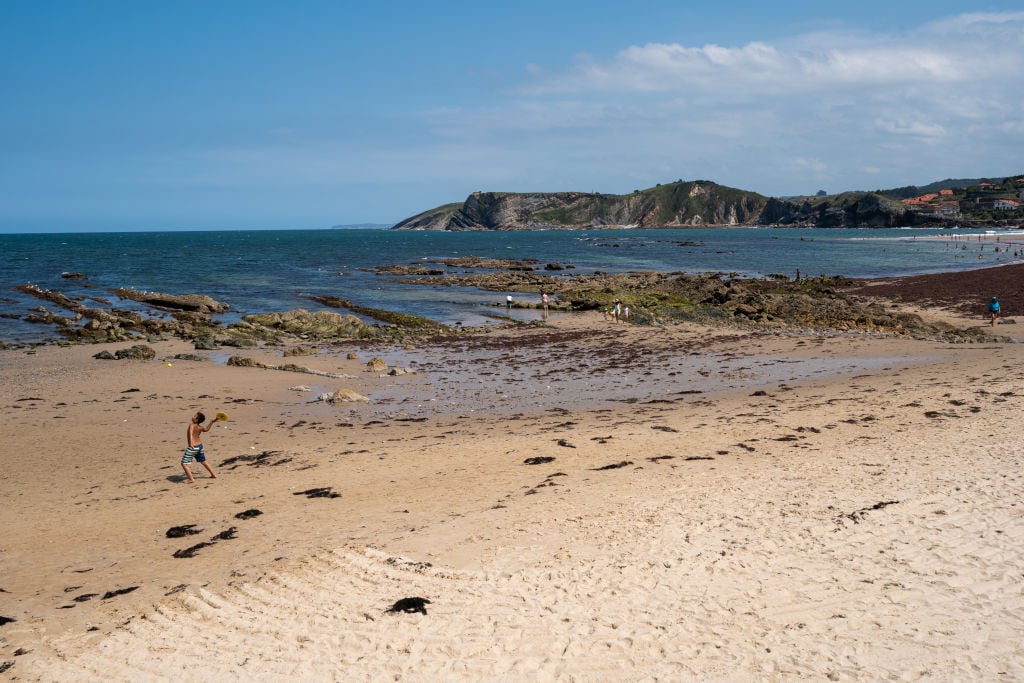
(222, 417)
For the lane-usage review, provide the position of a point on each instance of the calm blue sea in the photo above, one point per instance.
(261, 271)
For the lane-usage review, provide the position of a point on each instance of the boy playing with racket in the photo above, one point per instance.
(195, 446)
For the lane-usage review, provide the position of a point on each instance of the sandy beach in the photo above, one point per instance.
(584, 501)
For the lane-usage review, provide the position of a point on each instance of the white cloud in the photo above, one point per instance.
(983, 24)
(918, 129)
(960, 50)
(941, 98)
(781, 116)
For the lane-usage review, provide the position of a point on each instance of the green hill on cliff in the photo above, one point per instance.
(682, 203)
(705, 203)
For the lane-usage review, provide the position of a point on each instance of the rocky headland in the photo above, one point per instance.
(698, 203)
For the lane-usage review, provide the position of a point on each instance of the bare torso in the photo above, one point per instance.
(194, 435)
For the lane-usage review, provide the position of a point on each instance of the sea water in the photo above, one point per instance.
(263, 271)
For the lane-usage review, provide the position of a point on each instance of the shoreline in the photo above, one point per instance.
(726, 492)
(89, 312)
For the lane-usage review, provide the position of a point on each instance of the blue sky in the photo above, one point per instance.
(221, 115)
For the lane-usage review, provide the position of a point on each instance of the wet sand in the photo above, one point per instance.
(585, 501)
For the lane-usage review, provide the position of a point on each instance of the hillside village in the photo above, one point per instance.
(986, 200)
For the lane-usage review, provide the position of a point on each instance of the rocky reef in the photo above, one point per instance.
(191, 316)
(654, 298)
(657, 298)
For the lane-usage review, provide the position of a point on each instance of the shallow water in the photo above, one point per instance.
(261, 271)
(469, 377)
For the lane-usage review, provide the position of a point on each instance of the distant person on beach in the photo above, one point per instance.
(508, 302)
(544, 299)
(993, 309)
(194, 450)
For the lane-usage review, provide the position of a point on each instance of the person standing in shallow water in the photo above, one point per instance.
(194, 450)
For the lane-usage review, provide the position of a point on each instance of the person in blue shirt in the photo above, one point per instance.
(993, 309)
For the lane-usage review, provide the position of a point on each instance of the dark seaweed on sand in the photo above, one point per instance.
(191, 552)
(119, 591)
(539, 460)
(182, 531)
(614, 466)
(409, 606)
(322, 492)
(857, 515)
(249, 514)
(255, 459)
(225, 535)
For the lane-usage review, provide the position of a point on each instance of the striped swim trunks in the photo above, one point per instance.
(193, 453)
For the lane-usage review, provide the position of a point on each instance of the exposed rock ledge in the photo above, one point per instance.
(196, 303)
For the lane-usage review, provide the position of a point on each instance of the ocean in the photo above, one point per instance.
(263, 271)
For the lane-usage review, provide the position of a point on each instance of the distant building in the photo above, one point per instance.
(924, 201)
(990, 204)
(925, 205)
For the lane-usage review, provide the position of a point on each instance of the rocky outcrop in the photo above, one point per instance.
(678, 204)
(399, 322)
(246, 362)
(342, 396)
(137, 352)
(191, 318)
(196, 303)
(101, 325)
(850, 210)
(302, 323)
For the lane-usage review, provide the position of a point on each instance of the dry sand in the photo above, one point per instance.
(810, 506)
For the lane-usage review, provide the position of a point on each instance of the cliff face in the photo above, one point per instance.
(849, 210)
(679, 204)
